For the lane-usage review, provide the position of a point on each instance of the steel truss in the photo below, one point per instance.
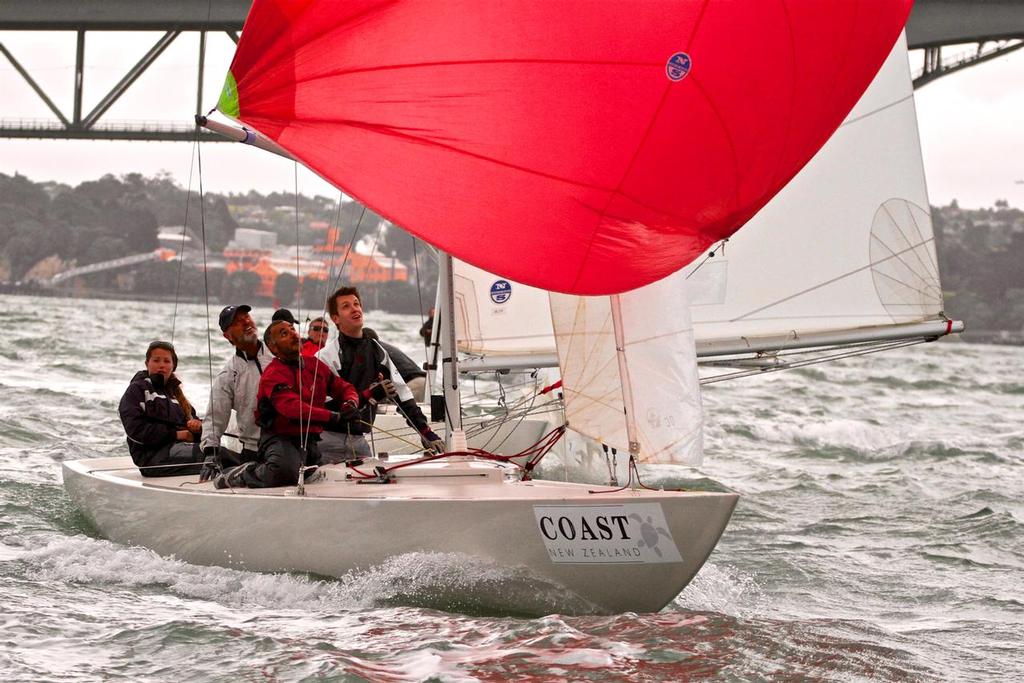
(170, 17)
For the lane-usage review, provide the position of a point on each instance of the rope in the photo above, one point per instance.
(711, 254)
(206, 270)
(532, 456)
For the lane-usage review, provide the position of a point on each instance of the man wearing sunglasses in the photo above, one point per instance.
(316, 337)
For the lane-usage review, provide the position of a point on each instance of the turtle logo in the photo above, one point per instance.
(650, 535)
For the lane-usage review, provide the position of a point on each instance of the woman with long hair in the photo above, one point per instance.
(161, 425)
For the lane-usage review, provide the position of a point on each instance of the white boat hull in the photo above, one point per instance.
(466, 509)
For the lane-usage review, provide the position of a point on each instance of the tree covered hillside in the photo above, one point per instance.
(49, 227)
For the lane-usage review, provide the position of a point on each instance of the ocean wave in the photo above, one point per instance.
(723, 589)
(848, 435)
(443, 581)
(894, 382)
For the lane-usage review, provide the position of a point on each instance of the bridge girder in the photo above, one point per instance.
(934, 23)
(123, 15)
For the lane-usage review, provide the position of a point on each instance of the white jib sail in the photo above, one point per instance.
(658, 346)
(847, 244)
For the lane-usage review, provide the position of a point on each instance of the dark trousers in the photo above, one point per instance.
(172, 460)
(229, 458)
(279, 459)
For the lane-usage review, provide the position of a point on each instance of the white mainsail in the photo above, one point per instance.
(844, 253)
(648, 374)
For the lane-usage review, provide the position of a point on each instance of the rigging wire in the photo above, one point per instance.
(303, 430)
(184, 231)
(419, 303)
(711, 254)
(327, 282)
(206, 269)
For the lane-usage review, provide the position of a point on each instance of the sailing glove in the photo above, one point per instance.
(349, 410)
(381, 390)
(431, 441)
(211, 464)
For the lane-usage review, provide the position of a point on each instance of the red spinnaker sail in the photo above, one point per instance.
(587, 147)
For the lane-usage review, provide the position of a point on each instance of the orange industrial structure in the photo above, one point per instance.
(318, 262)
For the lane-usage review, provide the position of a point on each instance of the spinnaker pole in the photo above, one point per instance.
(244, 135)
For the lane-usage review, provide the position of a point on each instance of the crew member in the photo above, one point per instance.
(159, 421)
(363, 362)
(234, 388)
(290, 407)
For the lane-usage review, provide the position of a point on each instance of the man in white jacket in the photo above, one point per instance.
(234, 388)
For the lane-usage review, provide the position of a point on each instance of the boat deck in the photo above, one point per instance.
(438, 480)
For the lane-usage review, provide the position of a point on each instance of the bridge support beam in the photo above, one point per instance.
(935, 66)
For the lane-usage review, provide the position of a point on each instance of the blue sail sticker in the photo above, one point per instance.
(678, 66)
(501, 291)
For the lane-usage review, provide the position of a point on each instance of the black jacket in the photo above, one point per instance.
(359, 361)
(406, 366)
(150, 417)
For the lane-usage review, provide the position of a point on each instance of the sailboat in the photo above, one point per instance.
(590, 151)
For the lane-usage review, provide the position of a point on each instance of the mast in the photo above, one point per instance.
(449, 361)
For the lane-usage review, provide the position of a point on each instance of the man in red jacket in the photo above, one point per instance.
(290, 409)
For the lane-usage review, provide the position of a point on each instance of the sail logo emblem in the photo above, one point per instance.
(501, 291)
(606, 534)
(678, 66)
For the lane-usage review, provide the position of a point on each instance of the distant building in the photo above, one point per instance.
(257, 251)
(170, 237)
(247, 239)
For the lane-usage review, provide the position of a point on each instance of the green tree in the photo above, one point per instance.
(398, 242)
(157, 277)
(17, 190)
(313, 295)
(240, 286)
(285, 287)
(25, 248)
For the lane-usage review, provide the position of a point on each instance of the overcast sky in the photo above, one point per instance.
(971, 122)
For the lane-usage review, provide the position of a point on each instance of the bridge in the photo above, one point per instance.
(996, 27)
(113, 264)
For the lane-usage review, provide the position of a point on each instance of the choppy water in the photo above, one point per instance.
(879, 537)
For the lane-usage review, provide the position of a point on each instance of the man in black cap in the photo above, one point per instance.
(285, 315)
(234, 388)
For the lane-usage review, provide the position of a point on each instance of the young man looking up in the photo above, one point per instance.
(290, 405)
(363, 362)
